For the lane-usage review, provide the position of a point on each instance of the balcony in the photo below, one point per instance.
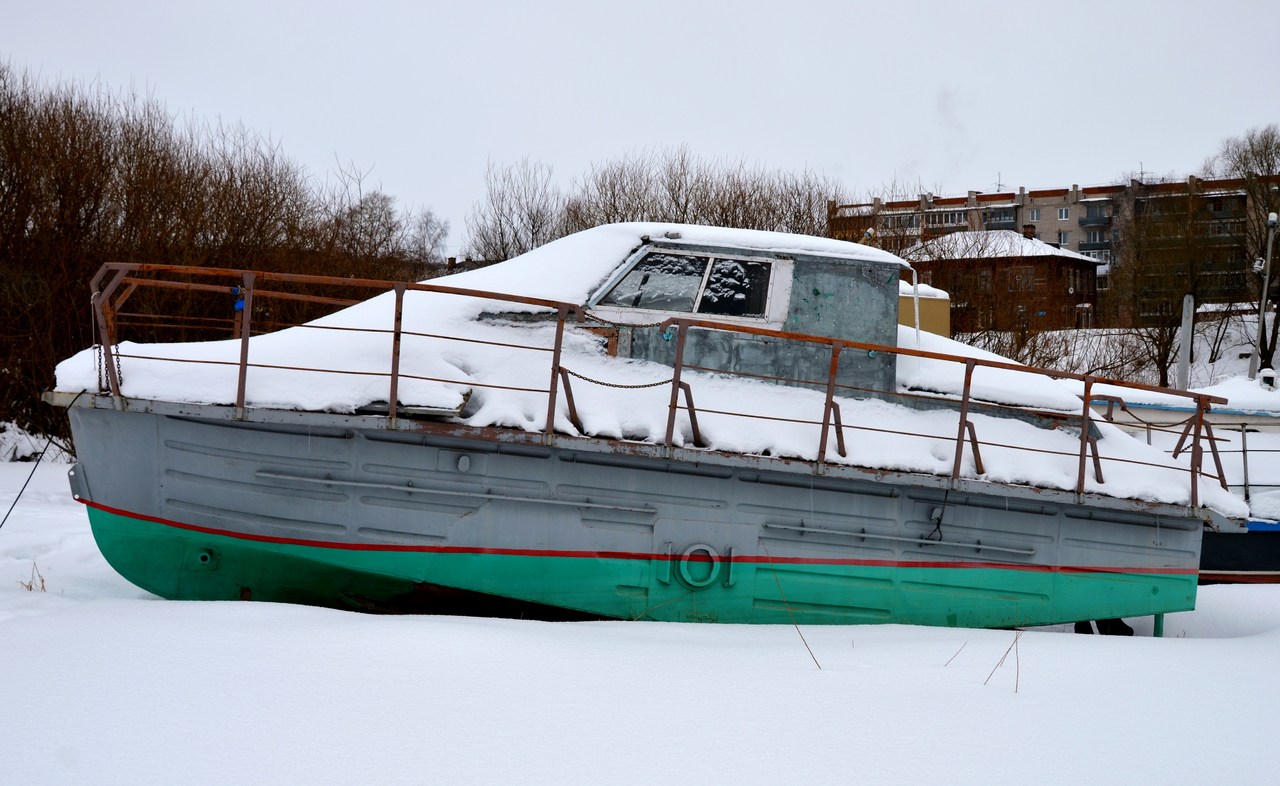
(1103, 246)
(1095, 221)
(1000, 223)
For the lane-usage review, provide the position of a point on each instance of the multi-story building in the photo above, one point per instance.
(1187, 235)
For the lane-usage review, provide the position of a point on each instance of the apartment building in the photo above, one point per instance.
(1195, 226)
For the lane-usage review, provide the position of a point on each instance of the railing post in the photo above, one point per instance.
(394, 394)
(568, 400)
(964, 417)
(1084, 432)
(246, 323)
(561, 315)
(1244, 458)
(102, 314)
(693, 415)
(674, 405)
(1197, 452)
(826, 406)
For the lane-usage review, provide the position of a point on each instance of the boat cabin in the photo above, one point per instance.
(843, 297)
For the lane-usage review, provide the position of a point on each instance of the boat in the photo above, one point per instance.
(1246, 431)
(640, 422)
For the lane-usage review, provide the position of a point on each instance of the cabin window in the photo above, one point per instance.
(736, 288)
(676, 282)
(663, 282)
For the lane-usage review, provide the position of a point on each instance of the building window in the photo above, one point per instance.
(902, 221)
(1064, 238)
(1064, 213)
(1095, 211)
(947, 218)
(1022, 279)
(1095, 236)
(1034, 214)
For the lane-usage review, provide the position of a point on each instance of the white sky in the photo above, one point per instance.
(958, 95)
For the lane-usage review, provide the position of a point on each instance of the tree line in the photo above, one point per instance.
(523, 207)
(90, 176)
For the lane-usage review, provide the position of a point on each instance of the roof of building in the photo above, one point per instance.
(985, 245)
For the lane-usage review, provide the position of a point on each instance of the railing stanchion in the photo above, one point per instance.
(674, 406)
(969, 364)
(562, 313)
(568, 400)
(102, 312)
(826, 405)
(1084, 432)
(393, 395)
(835, 410)
(246, 323)
(693, 415)
(1197, 452)
(1244, 458)
(1217, 457)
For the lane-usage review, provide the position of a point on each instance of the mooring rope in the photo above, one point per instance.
(35, 466)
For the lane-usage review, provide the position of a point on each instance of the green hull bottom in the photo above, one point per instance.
(185, 564)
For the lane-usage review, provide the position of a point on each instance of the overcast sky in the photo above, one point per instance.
(957, 95)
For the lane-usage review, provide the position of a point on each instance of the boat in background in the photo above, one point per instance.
(1248, 440)
(448, 447)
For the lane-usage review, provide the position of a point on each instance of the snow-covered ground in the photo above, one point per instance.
(103, 683)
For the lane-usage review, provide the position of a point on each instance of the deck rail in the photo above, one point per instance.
(116, 283)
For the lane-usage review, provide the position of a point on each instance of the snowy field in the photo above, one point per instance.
(103, 683)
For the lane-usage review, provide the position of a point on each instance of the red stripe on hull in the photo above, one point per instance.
(744, 559)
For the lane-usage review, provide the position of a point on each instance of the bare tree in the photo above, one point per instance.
(522, 209)
(1254, 159)
(1168, 247)
(88, 175)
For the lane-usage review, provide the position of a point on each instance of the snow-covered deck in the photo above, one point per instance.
(452, 345)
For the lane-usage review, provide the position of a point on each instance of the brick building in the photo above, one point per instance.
(1006, 281)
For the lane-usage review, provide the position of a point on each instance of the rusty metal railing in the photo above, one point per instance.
(116, 283)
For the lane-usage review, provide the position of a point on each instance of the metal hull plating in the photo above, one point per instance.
(325, 511)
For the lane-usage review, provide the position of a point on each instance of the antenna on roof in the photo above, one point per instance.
(999, 182)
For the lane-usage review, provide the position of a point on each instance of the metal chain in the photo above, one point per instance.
(99, 357)
(616, 384)
(611, 323)
(97, 352)
(1138, 418)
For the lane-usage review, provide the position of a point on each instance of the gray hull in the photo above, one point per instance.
(189, 502)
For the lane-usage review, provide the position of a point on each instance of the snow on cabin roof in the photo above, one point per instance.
(985, 245)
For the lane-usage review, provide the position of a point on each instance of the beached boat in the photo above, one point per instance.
(1246, 431)
(524, 438)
